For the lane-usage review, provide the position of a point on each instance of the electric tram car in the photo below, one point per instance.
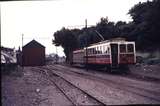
(111, 54)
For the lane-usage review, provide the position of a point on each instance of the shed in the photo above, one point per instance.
(33, 54)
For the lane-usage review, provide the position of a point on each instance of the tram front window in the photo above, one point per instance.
(122, 48)
(130, 47)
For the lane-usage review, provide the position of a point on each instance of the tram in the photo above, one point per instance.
(114, 53)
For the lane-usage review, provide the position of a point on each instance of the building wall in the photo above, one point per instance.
(33, 56)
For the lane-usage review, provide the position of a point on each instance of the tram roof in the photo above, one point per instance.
(111, 40)
(114, 40)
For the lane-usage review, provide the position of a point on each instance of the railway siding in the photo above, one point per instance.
(74, 94)
(108, 94)
(30, 88)
(43, 86)
(135, 83)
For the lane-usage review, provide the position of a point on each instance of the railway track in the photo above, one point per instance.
(94, 73)
(74, 94)
(127, 75)
(150, 94)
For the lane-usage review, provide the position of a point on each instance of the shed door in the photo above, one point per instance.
(114, 53)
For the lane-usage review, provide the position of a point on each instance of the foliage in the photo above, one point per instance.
(67, 39)
(146, 24)
(144, 29)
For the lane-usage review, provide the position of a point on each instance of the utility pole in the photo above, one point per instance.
(22, 53)
(56, 55)
(22, 40)
(85, 23)
(86, 46)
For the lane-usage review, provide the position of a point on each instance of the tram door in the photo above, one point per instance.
(114, 53)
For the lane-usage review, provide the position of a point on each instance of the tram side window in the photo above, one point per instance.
(100, 49)
(94, 51)
(87, 51)
(130, 48)
(108, 50)
(122, 48)
(103, 50)
(97, 50)
(91, 51)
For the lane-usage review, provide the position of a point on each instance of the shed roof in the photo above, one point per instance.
(33, 44)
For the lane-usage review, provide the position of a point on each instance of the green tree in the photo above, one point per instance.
(106, 28)
(67, 40)
(146, 24)
(144, 29)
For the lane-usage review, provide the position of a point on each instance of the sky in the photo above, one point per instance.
(40, 19)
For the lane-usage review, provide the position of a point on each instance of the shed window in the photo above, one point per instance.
(122, 48)
(130, 47)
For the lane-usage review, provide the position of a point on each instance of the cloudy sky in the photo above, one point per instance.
(40, 19)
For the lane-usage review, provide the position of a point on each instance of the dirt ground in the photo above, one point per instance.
(30, 88)
(110, 92)
(146, 70)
